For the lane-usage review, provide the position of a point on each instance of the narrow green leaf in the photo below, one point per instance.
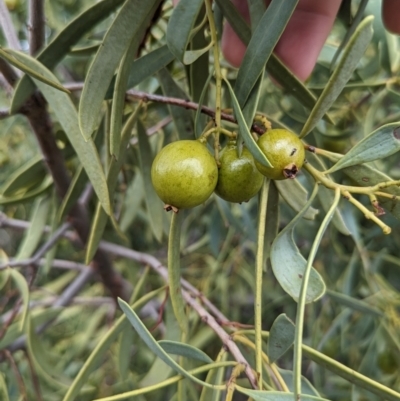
(381, 143)
(261, 45)
(33, 70)
(131, 21)
(180, 26)
(146, 336)
(74, 191)
(100, 218)
(25, 177)
(288, 264)
(103, 347)
(66, 114)
(306, 386)
(191, 56)
(281, 337)
(258, 395)
(34, 233)
(154, 205)
(118, 103)
(23, 288)
(183, 119)
(147, 65)
(43, 187)
(214, 376)
(55, 51)
(256, 10)
(174, 273)
(295, 195)
(245, 134)
(3, 389)
(342, 73)
(186, 350)
(365, 176)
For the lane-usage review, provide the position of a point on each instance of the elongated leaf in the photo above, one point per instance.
(288, 264)
(258, 395)
(23, 288)
(245, 134)
(180, 25)
(53, 53)
(274, 66)
(3, 388)
(343, 71)
(26, 176)
(66, 114)
(306, 386)
(261, 45)
(295, 195)
(183, 119)
(146, 336)
(153, 203)
(192, 55)
(281, 337)
(34, 233)
(174, 272)
(103, 346)
(186, 350)
(31, 70)
(131, 21)
(100, 218)
(381, 143)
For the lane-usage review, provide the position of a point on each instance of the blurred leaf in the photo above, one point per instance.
(198, 120)
(261, 45)
(22, 285)
(33, 70)
(54, 52)
(32, 194)
(281, 337)
(245, 134)
(102, 347)
(180, 26)
(295, 195)
(154, 205)
(174, 272)
(183, 118)
(256, 10)
(3, 389)
(131, 21)
(118, 102)
(30, 173)
(186, 350)
(66, 114)
(100, 217)
(288, 264)
(258, 395)
(214, 376)
(146, 336)
(34, 234)
(381, 143)
(342, 73)
(366, 176)
(192, 55)
(306, 386)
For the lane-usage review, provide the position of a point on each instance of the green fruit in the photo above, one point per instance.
(238, 178)
(184, 174)
(284, 150)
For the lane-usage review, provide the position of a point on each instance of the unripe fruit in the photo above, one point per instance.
(284, 150)
(238, 178)
(184, 174)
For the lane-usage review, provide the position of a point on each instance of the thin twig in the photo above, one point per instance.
(22, 390)
(8, 28)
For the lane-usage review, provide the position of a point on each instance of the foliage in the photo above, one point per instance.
(292, 295)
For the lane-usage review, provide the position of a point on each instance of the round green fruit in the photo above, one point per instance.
(184, 174)
(238, 178)
(284, 150)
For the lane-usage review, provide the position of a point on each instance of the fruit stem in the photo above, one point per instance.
(218, 77)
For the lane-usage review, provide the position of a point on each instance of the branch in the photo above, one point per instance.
(36, 26)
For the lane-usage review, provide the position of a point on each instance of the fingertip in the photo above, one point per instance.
(391, 15)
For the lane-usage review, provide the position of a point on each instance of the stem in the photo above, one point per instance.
(262, 214)
(302, 298)
(37, 25)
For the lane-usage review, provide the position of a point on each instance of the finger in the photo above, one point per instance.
(391, 15)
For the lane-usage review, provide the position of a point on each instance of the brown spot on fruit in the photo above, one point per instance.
(290, 171)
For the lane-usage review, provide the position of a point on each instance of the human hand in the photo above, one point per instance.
(305, 34)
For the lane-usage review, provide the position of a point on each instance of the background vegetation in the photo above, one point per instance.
(65, 261)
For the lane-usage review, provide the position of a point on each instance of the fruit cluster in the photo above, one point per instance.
(184, 173)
